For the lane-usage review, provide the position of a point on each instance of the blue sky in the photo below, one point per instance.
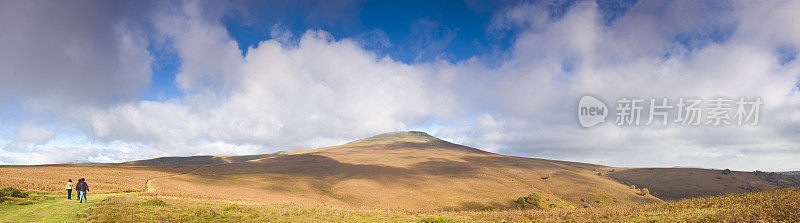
(408, 31)
(110, 81)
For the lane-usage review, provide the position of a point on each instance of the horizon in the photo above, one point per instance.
(544, 158)
(603, 82)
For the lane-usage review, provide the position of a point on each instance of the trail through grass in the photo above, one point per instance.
(56, 208)
(49, 208)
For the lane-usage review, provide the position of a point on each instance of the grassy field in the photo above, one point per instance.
(781, 205)
(48, 208)
(102, 178)
(146, 208)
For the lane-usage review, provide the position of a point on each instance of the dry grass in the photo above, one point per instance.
(768, 206)
(678, 183)
(102, 178)
(781, 205)
(406, 172)
(138, 208)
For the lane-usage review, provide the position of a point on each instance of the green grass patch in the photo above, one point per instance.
(154, 202)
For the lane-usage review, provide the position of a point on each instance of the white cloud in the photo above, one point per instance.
(34, 134)
(638, 55)
(314, 90)
(27, 136)
(318, 92)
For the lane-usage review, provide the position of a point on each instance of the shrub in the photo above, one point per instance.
(726, 171)
(206, 214)
(154, 202)
(533, 200)
(435, 220)
(545, 177)
(12, 192)
(643, 192)
(488, 208)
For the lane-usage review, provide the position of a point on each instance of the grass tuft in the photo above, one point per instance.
(154, 202)
(12, 192)
(436, 220)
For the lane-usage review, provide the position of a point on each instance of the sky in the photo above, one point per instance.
(112, 81)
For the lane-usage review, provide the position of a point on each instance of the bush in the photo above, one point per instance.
(435, 220)
(12, 192)
(533, 200)
(643, 192)
(154, 202)
(488, 208)
(726, 172)
(205, 214)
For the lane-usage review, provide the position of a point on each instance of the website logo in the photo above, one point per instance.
(591, 111)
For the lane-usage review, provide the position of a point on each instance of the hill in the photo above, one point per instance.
(196, 160)
(407, 171)
(410, 171)
(679, 183)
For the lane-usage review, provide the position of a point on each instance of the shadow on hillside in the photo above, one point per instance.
(524, 162)
(323, 167)
(435, 144)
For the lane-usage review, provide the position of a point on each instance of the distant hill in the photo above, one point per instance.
(790, 173)
(196, 160)
(401, 170)
(679, 183)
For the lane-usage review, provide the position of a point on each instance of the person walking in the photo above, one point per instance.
(69, 189)
(82, 188)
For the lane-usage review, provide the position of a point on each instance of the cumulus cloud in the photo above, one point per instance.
(28, 135)
(61, 53)
(311, 89)
(656, 49)
(319, 91)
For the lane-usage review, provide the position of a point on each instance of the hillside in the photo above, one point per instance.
(407, 171)
(401, 171)
(679, 183)
(196, 160)
(767, 206)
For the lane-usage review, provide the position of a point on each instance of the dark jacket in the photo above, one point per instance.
(82, 186)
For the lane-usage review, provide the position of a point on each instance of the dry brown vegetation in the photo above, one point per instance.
(413, 173)
(679, 183)
(768, 206)
(137, 208)
(781, 205)
(403, 171)
(102, 178)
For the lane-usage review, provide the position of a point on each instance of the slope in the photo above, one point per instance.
(679, 183)
(403, 171)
